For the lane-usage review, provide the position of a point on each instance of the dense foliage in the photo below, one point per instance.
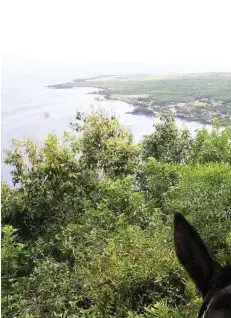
(87, 225)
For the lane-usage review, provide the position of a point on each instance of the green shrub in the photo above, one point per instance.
(87, 226)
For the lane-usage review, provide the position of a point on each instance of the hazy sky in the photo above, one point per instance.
(155, 31)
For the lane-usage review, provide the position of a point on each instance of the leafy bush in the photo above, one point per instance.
(212, 147)
(168, 144)
(87, 224)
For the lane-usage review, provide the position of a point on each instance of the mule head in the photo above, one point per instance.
(211, 279)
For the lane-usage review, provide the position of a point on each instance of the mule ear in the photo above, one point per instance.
(192, 253)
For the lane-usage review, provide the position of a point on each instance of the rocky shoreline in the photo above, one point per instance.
(194, 108)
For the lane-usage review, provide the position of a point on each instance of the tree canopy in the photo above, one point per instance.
(87, 222)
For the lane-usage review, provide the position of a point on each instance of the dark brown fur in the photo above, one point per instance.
(212, 280)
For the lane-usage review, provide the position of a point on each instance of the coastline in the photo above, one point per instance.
(199, 109)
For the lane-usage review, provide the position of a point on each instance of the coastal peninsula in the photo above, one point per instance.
(193, 97)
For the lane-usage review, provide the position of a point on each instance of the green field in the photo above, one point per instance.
(214, 89)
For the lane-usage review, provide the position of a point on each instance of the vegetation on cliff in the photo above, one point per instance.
(87, 228)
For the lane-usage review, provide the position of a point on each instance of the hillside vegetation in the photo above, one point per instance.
(87, 228)
(193, 97)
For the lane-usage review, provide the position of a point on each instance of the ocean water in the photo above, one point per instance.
(29, 109)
